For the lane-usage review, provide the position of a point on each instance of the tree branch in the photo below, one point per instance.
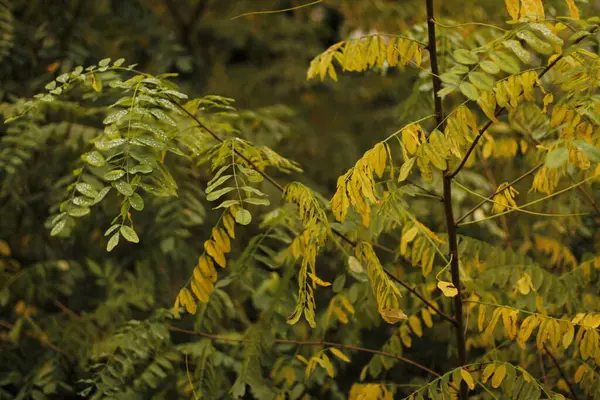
(482, 202)
(562, 373)
(447, 194)
(307, 343)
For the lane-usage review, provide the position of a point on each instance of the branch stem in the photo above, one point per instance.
(307, 343)
(447, 195)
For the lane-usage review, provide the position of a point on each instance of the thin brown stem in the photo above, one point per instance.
(447, 194)
(307, 343)
(514, 182)
(67, 310)
(562, 373)
(336, 232)
(44, 342)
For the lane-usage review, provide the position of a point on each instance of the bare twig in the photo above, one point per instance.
(307, 343)
(43, 341)
(67, 310)
(482, 202)
(562, 373)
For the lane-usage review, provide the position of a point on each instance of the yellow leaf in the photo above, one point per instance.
(207, 268)
(524, 284)
(96, 83)
(346, 304)
(319, 281)
(340, 202)
(410, 140)
(229, 224)
(481, 317)
(487, 372)
(487, 103)
(415, 325)
(215, 253)
(221, 239)
(512, 6)
(426, 316)
(573, 10)
(405, 335)
(187, 301)
(579, 373)
(379, 158)
(447, 288)
(4, 248)
(392, 315)
(325, 363)
(467, 378)
(176, 307)
(499, 375)
(338, 353)
(197, 289)
(533, 9)
(301, 358)
(568, 336)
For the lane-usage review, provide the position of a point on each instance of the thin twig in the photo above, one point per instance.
(335, 231)
(306, 343)
(45, 342)
(482, 202)
(562, 373)
(187, 371)
(277, 11)
(67, 310)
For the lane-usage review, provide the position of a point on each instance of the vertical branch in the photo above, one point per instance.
(447, 194)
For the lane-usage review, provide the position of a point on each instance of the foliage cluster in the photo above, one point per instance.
(159, 245)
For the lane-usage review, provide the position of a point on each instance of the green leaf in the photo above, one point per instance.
(227, 204)
(406, 168)
(258, 202)
(83, 201)
(481, 80)
(490, 67)
(142, 168)
(450, 78)
(102, 194)
(469, 90)
(124, 188)
(109, 144)
(118, 62)
(63, 78)
(51, 85)
(112, 242)
(115, 117)
(217, 183)
(114, 175)
(151, 142)
(506, 62)
(243, 217)
(104, 62)
(557, 157)
(79, 211)
(590, 150)
(547, 33)
(94, 158)
(218, 193)
(535, 43)
(515, 47)
(129, 234)
(56, 229)
(86, 189)
(162, 116)
(111, 229)
(136, 202)
(338, 283)
(465, 56)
